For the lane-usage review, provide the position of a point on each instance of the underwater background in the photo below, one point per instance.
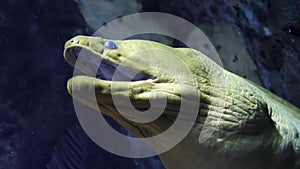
(257, 39)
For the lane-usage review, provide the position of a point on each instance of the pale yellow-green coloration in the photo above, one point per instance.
(250, 127)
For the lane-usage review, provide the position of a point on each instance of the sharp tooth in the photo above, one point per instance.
(152, 80)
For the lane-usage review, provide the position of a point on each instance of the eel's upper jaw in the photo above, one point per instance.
(73, 47)
(94, 63)
(72, 50)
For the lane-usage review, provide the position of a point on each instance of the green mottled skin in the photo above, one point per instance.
(252, 128)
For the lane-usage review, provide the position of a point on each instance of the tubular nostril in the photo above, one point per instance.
(75, 41)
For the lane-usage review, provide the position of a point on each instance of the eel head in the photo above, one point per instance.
(150, 75)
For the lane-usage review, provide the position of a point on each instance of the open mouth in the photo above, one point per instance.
(107, 70)
(110, 71)
(139, 85)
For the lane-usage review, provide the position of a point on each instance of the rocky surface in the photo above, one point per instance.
(34, 105)
(36, 113)
(98, 13)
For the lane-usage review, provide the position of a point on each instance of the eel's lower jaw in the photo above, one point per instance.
(98, 94)
(83, 89)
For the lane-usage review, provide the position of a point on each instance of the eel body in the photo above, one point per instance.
(249, 127)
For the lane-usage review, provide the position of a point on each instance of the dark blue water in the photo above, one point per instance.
(36, 112)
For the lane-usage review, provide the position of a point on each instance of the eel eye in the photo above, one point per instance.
(110, 44)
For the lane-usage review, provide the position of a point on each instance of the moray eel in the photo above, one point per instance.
(251, 127)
